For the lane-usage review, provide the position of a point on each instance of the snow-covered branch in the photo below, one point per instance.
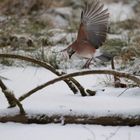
(71, 82)
(74, 86)
(11, 98)
(82, 73)
(70, 119)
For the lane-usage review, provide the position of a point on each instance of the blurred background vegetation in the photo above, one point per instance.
(39, 28)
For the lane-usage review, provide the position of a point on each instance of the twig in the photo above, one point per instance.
(123, 92)
(11, 98)
(117, 82)
(91, 132)
(113, 134)
(113, 68)
(81, 73)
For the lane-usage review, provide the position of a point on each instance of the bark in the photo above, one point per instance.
(70, 119)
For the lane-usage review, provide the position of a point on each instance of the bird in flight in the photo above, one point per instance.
(92, 31)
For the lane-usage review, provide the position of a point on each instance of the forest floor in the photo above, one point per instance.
(58, 99)
(29, 29)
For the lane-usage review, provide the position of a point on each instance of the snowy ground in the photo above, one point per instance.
(120, 12)
(59, 99)
(67, 132)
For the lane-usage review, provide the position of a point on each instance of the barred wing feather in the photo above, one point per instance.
(94, 23)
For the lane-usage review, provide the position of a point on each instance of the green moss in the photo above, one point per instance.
(45, 41)
(115, 42)
(1, 1)
(129, 24)
(36, 26)
(120, 26)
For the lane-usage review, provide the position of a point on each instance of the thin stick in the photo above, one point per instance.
(113, 68)
(123, 92)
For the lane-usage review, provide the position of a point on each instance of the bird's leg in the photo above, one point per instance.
(86, 65)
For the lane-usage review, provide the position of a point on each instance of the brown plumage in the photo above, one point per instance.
(92, 31)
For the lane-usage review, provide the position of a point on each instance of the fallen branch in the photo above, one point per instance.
(81, 73)
(71, 82)
(11, 98)
(70, 119)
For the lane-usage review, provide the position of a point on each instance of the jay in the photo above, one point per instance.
(92, 31)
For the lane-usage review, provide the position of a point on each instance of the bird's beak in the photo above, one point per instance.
(71, 53)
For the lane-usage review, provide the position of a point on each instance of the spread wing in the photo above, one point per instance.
(94, 24)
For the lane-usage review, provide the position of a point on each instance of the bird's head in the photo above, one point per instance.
(69, 51)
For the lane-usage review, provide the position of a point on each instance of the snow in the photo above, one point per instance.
(120, 11)
(58, 99)
(67, 132)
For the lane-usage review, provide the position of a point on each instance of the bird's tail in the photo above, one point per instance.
(105, 57)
